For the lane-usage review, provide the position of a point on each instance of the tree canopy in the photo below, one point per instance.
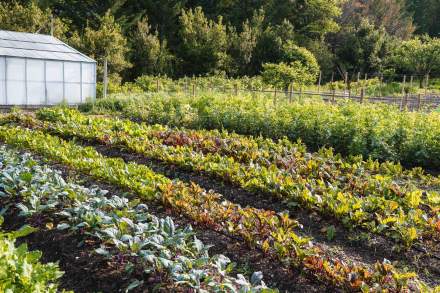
(232, 37)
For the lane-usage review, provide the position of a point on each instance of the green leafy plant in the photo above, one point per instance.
(20, 269)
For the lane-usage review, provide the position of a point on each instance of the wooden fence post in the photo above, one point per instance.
(291, 93)
(105, 78)
(419, 102)
(236, 89)
(194, 90)
(346, 81)
(319, 81)
(333, 96)
(406, 101)
(426, 84)
(157, 85)
(362, 95)
(404, 84)
(381, 84)
(357, 83)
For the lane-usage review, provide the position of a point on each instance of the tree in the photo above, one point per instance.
(282, 75)
(312, 19)
(293, 53)
(150, 55)
(81, 13)
(269, 47)
(426, 14)
(420, 55)
(243, 44)
(361, 48)
(106, 41)
(204, 43)
(29, 18)
(390, 15)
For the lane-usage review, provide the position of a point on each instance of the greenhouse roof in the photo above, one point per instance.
(37, 46)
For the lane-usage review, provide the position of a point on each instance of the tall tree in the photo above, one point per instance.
(243, 44)
(30, 18)
(204, 43)
(150, 55)
(361, 47)
(81, 13)
(426, 13)
(419, 56)
(311, 19)
(107, 41)
(388, 14)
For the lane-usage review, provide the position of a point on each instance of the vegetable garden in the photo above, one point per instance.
(204, 209)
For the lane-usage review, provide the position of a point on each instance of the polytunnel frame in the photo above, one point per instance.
(64, 82)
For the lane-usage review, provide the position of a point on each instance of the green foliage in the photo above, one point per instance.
(244, 43)
(29, 18)
(425, 16)
(387, 15)
(419, 55)
(150, 54)
(362, 48)
(372, 130)
(282, 75)
(106, 41)
(20, 269)
(293, 53)
(313, 20)
(204, 42)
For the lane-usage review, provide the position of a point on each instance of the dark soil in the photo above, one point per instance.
(86, 271)
(348, 244)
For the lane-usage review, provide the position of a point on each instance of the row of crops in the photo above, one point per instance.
(122, 226)
(378, 198)
(377, 131)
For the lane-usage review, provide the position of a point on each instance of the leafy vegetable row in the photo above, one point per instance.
(125, 228)
(271, 232)
(404, 213)
(263, 151)
(378, 131)
(20, 269)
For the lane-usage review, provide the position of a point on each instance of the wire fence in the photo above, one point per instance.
(426, 101)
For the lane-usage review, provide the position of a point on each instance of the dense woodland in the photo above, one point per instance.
(241, 37)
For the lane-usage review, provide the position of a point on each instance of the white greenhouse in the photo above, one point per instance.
(38, 70)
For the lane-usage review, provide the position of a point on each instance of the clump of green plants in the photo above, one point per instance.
(20, 269)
